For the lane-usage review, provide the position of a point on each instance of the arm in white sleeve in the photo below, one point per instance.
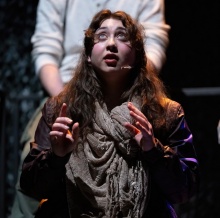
(152, 17)
(47, 43)
(50, 79)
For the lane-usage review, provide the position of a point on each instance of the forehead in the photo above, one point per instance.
(111, 23)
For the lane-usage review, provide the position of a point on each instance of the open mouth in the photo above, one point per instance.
(111, 59)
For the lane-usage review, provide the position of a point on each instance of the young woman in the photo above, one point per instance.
(111, 144)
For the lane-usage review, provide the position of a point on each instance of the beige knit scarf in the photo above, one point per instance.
(108, 170)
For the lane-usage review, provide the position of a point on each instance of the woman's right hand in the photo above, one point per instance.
(63, 139)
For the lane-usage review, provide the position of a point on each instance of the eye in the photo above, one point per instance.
(101, 37)
(122, 36)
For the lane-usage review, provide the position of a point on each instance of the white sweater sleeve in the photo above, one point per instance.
(152, 17)
(48, 36)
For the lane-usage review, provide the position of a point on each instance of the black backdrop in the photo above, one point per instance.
(192, 62)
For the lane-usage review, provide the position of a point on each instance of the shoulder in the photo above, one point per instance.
(173, 106)
(174, 112)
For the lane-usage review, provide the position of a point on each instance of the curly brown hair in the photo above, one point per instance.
(85, 87)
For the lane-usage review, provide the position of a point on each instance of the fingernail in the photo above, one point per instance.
(69, 120)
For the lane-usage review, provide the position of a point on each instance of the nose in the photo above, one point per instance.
(111, 44)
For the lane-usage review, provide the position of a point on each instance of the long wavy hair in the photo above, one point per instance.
(85, 87)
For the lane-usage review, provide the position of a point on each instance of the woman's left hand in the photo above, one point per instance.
(142, 129)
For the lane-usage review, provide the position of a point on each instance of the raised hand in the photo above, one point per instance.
(142, 129)
(63, 139)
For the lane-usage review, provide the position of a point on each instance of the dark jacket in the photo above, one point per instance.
(173, 168)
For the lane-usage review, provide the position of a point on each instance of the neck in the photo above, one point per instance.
(113, 94)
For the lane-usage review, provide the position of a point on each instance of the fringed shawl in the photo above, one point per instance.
(107, 170)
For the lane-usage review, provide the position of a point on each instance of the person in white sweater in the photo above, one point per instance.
(57, 45)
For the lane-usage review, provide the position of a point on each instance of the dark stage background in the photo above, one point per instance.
(190, 74)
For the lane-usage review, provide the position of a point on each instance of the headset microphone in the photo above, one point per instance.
(126, 67)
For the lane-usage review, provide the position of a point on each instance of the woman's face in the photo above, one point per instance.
(112, 53)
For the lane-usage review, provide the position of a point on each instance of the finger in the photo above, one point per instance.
(63, 110)
(131, 128)
(138, 115)
(142, 129)
(135, 110)
(146, 132)
(55, 134)
(63, 120)
(60, 127)
(75, 130)
(138, 119)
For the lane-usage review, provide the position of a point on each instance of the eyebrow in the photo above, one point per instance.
(104, 28)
